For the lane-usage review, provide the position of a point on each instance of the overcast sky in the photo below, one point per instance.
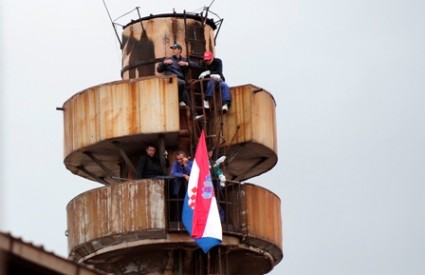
(349, 82)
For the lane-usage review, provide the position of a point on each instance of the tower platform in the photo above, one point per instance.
(130, 226)
(107, 127)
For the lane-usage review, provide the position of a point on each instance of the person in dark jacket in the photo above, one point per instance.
(177, 65)
(214, 70)
(149, 165)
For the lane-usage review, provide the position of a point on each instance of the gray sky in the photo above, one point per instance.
(349, 81)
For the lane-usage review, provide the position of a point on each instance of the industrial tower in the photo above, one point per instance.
(130, 226)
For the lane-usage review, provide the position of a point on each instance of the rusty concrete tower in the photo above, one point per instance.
(130, 226)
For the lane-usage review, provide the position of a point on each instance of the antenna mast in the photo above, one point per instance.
(112, 22)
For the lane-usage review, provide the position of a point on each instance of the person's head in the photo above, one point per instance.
(208, 57)
(180, 157)
(150, 150)
(177, 49)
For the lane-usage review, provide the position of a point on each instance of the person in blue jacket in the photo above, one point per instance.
(181, 169)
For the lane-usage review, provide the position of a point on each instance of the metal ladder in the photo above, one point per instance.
(210, 120)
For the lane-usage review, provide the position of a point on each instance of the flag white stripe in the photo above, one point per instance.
(213, 226)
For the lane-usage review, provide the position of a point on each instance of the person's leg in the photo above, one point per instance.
(209, 93)
(176, 186)
(186, 97)
(183, 97)
(181, 196)
(225, 97)
(225, 93)
(210, 89)
(174, 201)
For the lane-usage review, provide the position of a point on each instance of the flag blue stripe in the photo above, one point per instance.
(187, 215)
(207, 243)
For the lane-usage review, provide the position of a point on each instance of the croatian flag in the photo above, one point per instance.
(200, 211)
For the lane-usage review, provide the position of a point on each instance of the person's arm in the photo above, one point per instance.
(206, 72)
(174, 170)
(217, 68)
(185, 64)
(161, 66)
(217, 170)
(193, 64)
(189, 166)
(140, 167)
(161, 170)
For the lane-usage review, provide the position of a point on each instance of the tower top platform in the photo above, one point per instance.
(196, 16)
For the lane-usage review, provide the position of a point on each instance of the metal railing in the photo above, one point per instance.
(230, 205)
